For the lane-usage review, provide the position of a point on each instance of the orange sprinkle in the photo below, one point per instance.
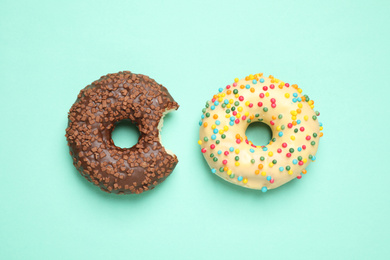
(299, 110)
(252, 90)
(303, 98)
(242, 87)
(238, 136)
(251, 117)
(225, 168)
(304, 171)
(294, 122)
(215, 116)
(229, 92)
(280, 86)
(257, 172)
(205, 124)
(273, 117)
(321, 134)
(260, 166)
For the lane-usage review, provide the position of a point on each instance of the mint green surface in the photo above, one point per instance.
(338, 53)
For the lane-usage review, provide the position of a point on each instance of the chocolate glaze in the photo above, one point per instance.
(92, 119)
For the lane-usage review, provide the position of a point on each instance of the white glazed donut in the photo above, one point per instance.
(290, 115)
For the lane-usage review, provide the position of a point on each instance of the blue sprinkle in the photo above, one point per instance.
(216, 103)
(217, 122)
(298, 121)
(213, 137)
(239, 178)
(202, 116)
(254, 81)
(295, 161)
(281, 169)
(320, 124)
(299, 149)
(299, 99)
(226, 101)
(232, 118)
(247, 87)
(213, 170)
(252, 151)
(314, 158)
(215, 131)
(220, 89)
(231, 123)
(264, 189)
(268, 178)
(200, 123)
(219, 152)
(280, 133)
(295, 94)
(294, 100)
(262, 80)
(212, 107)
(265, 149)
(231, 149)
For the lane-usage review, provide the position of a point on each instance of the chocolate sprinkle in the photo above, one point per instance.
(92, 119)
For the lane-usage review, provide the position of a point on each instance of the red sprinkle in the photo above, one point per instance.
(308, 137)
(224, 161)
(272, 86)
(228, 86)
(289, 125)
(300, 162)
(203, 150)
(260, 104)
(288, 155)
(265, 88)
(302, 129)
(226, 153)
(250, 105)
(212, 146)
(261, 95)
(237, 121)
(287, 85)
(234, 113)
(279, 150)
(303, 147)
(299, 176)
(238, 141)
(284, 145)
(271, 122)
(241, 98)
(273, 100)
(273, 105)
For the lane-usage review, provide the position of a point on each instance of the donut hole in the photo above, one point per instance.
(125, 134)
(259, 133)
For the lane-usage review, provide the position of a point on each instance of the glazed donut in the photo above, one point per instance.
(290, 115)
(92, 119)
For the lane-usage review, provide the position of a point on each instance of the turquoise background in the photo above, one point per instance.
(336, 51)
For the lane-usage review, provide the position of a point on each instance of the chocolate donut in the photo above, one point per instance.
(92, 119)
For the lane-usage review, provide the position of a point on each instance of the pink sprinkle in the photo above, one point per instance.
(287, 85)
(234, 113)
(253, 145)
(246, 141)
(271, 122)
(303, 147)
(241, 98)
(299, 176)
(273, 105)
(289, 125)
(224, 161)
(284, 145)
(213, 100)
(308, 137)
(212, 146)
(228, 86)
(237, 121)
(279, 150)
(272, 86)
(238, 141)
(302, 129)
(272, 180)
(265, 88)
(203, 150)
(300, 162)
(260, 104)
(243, 117)
(273, 100)
(250, 105)
(261, 95)
(234, 84)
(288, 155)
(226, 153)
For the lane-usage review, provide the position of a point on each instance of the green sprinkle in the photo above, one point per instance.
(291, 150)
(312, 143)
(274, 161)
(217, 142)
(236, 158)
(215, 159)
(223, 136)
(288, 168)
(280, 116)
(235, 91)
(262, 158)
(236, 103)
(253, 161)
(208, 114)
(211, 155)
(265, 109)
